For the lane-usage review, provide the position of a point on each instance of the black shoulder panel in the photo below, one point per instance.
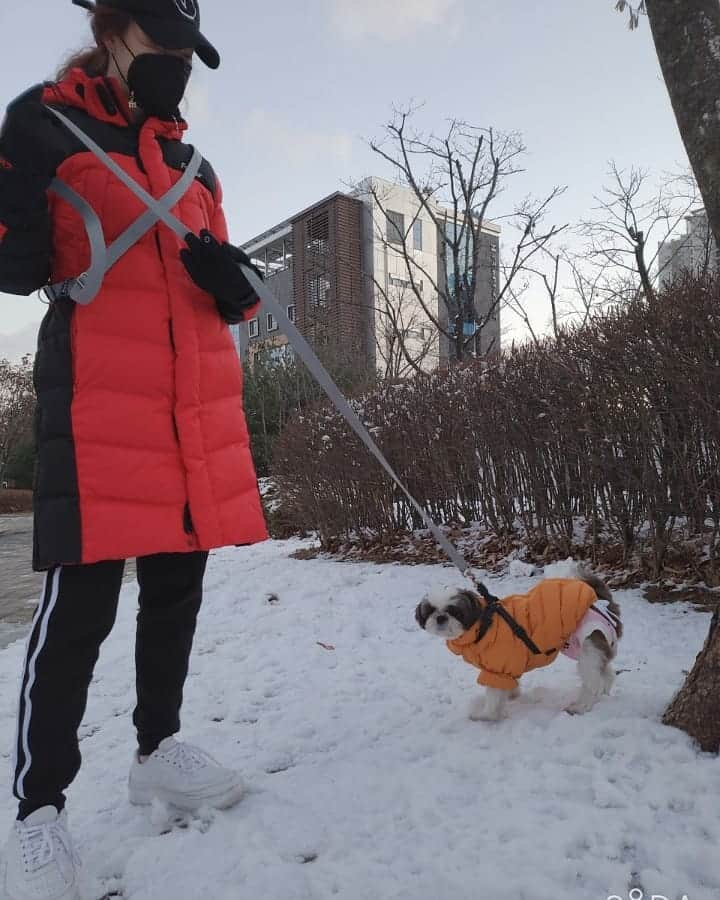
(208, 177)
(31, 95)
(111, 138)
(29, 122)
(27, 126)
(177, 155)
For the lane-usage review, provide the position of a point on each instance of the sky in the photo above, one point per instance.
(303, 86)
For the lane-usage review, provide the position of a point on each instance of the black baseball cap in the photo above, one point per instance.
(173, 24)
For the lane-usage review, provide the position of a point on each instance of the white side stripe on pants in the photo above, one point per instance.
(21, 681)
(26, 711)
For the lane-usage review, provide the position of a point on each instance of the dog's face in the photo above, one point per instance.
(448, 613)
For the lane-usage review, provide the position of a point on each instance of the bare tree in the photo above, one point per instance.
(618, 260)
(631, 222)
(569, 290)
(17, 402)
(521, 298)
(536, 284)
(588, 292)
(634, 10)
(456, 180)
(405, 343)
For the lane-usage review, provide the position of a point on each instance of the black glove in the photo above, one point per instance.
(215, 268)
(23, 198)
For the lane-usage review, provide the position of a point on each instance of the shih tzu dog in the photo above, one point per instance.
(507, 638)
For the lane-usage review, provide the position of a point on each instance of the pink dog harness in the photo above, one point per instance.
(596, 618)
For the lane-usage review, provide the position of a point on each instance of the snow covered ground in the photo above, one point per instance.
(368, 780)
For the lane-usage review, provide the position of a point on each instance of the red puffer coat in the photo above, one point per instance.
(142, 441)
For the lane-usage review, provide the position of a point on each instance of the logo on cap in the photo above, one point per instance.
(188, 8)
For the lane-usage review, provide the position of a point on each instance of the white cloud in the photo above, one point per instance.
(282, 138)
(21, 343)
(387, 19)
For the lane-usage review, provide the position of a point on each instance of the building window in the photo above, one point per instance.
(318, 290)
(318, 234)
(405, 285)
(291, 313)
(417, 234)
(253, 328)
(401, 283)
(272, 325)
(395, 227)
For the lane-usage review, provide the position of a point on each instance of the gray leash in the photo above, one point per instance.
(306, 354)
(161, 212)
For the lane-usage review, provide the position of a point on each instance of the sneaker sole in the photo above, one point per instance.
(73, 893)
(225, 798)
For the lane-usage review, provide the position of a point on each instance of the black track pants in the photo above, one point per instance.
(76, 613)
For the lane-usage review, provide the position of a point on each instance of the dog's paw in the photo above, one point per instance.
(482, 711)
(608, 681)
(579, 707)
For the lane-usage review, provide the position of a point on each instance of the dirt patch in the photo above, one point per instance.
(688, 576)
(702, 598)
(12, 501)
(482, 549)
(419, 548)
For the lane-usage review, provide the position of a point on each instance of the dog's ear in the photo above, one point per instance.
(466, 607)
(423, 611)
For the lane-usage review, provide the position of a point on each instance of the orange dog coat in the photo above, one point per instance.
(549, 613)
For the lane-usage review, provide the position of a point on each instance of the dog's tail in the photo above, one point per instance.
(603, 593)
(596, 583)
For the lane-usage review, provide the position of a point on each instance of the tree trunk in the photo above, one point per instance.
(645, 278)
(687, 40)
(696, 707)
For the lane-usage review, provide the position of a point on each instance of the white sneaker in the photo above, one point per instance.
(39, 861)
(184, 777)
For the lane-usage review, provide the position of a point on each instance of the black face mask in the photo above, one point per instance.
(157, 83)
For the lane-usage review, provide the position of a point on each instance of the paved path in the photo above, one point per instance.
(20, 587)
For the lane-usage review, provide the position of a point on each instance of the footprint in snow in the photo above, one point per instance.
(165, 819)
(279, 766)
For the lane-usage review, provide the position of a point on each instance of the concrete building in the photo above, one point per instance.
(693, 252)
(359, 273)
(406, 263)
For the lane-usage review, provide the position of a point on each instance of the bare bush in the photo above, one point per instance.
(17, 402)
(614, 422)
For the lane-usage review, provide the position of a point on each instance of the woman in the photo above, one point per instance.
(142, 444)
